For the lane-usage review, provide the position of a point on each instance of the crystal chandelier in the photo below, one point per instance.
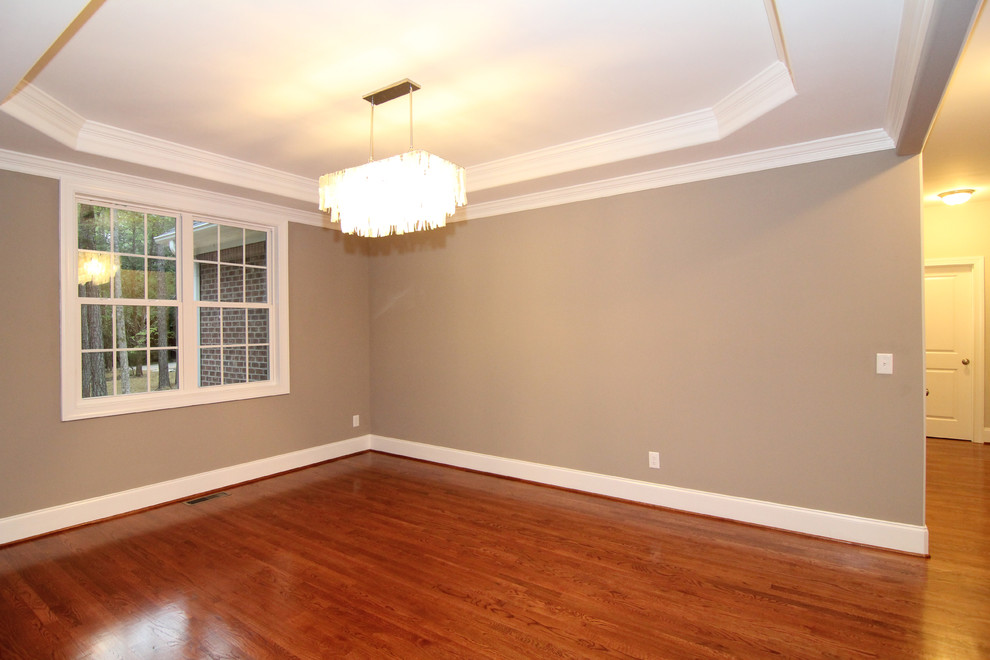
(413, 191)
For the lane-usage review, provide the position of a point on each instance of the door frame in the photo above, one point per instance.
(975, 264)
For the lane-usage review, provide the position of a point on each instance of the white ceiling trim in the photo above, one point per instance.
(910, 46)
(765, 91)
(104, 140)
(794, 154)
(225, 205)
(47, 114)
(762, 93)
(160, 193)
(757, 96)
(654, 137)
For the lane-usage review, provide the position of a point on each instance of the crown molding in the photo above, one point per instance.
(795, 154)
(47, 114)
(174, 196)
(654, 137)
(773, 16)
(754, 98)
(757, 96)
(910, 46)
(937, 33)
(219, 204)
(104, 140)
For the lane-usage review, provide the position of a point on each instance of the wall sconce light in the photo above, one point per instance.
(953, 197)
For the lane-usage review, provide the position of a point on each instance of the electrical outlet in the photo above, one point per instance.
(655, 460)
(357, 421)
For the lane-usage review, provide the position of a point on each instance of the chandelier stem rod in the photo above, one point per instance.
(371, 146)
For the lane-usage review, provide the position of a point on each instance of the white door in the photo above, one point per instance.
(949, 354)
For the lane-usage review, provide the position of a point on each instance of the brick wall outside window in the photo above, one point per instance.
(244, 355)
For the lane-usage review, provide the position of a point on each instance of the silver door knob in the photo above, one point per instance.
(965, 361)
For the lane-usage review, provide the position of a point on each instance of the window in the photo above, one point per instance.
(128, 309)
(164, 308)
(231, 271)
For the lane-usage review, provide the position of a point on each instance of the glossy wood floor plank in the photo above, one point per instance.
(375, 556)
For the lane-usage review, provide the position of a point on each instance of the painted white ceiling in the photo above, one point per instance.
(543, 102)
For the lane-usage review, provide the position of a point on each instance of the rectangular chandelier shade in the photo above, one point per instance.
(413, 191)
(410, 192)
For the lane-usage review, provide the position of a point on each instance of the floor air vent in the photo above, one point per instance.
(205, 498)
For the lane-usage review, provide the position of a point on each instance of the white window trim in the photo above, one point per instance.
(190, 203)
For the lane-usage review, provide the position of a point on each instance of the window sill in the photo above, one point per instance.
(136, 403)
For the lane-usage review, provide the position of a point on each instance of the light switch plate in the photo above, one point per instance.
(885, 363)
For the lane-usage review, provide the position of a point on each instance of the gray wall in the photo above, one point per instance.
(731, 325)
(46, 462)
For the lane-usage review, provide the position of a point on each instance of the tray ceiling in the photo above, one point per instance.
(542, 102)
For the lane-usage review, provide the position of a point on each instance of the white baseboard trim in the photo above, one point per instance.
(43, 521)
(854, 529)
(842, 527)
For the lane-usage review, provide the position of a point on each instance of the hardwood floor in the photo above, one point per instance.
(376, 556)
